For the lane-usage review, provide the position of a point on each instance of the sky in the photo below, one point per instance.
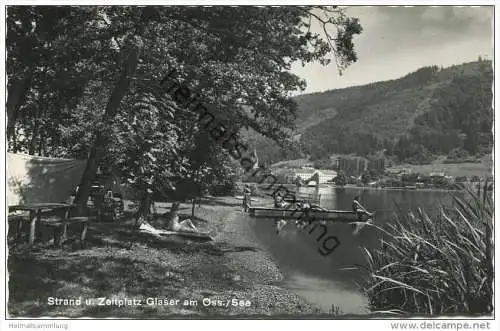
(398, 40)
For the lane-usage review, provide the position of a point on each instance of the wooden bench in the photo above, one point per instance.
(18, 220)
(33, 213)
(60, 228)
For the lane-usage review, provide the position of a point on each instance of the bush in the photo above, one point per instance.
(340, 179)
(227, 188)
(435, 266)
(458, 154)
(323, 163)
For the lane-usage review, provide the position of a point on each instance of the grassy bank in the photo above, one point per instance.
(118, 264)
(468, 169)
(439, 265)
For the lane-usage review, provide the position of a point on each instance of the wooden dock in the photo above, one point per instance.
(291, 213)
(303, 198)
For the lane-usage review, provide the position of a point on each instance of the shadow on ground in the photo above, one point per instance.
(35, 277)
(117, 262)
(221, 202)
(124, 236)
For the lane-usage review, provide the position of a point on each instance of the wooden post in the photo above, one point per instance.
(83, 234)
(56, 230)
(32, 231)
(33, 225)
(19, 229)
(64, 231)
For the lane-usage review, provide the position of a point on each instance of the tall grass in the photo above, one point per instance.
(436, 265)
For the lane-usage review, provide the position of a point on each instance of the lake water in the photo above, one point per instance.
(331, 280)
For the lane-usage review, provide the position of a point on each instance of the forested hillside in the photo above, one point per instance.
(432, 111)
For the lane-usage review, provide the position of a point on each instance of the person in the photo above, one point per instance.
(279, 224)
(185, 225)
(360, 210)
(364, 217)
(247, 197)
(279, 201)
(173, 222)
(304, 208)
(168, 221)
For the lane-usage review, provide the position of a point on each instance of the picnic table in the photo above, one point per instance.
(59, 224)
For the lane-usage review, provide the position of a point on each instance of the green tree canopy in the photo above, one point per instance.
(85, 81)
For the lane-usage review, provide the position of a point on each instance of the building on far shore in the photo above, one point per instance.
(437, 175)
(326, 175)
(306, 173)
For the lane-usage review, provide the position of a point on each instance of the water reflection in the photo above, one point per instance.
(332, 279)
(328, 294)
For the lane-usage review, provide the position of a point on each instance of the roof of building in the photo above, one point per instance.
(437, 174)
(305, 171)
(328, 172)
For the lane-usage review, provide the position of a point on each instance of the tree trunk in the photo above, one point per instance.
(15, 98)
(192, 208)
(174, 212)
(99, 148)
(41, 144)
(174, 209)
(14, 140)
(34, 136)
(145, 205)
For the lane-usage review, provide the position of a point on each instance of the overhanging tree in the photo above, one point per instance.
(237, 58)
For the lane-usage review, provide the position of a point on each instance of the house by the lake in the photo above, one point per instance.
(306, 173)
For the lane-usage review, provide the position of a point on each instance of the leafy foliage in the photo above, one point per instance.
(50, 60)
(85, 82)
(340, 179)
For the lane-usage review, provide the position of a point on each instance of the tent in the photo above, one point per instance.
(32, 179)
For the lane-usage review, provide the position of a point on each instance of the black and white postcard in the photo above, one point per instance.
(194, 162)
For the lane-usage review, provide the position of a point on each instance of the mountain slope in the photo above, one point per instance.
(428, 112)
(431, 111)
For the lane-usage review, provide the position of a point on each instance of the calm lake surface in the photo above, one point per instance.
(323, 280)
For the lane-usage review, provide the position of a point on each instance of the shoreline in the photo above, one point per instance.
(260, 266)
(261, 186)
(401, 189)
(233, 269)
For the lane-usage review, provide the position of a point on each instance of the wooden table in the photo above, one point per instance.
(35, 210)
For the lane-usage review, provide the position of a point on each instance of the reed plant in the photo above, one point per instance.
(440, 265)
